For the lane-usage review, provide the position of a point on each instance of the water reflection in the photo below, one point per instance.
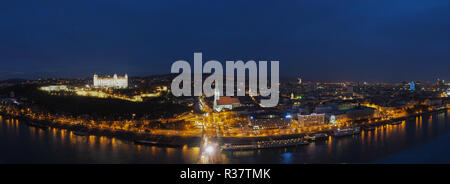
(63, 146)
(28, 144)
(367, 147)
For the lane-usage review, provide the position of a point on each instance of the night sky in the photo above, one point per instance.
(325, 40)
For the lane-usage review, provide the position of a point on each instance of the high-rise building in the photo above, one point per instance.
(412, 86)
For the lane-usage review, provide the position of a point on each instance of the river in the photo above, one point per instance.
(425, 139)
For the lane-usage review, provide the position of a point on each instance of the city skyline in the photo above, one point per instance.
(379, 41)
(282, 79)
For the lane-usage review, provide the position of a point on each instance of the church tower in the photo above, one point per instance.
(216, 97)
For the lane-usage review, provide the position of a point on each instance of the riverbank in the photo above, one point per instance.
(27, 144)
(251, 141)
(384, 122)
(180, 141)
(80, 130)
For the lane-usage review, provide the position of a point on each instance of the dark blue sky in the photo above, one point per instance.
(370, 40)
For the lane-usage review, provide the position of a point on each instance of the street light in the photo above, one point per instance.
(209, 149)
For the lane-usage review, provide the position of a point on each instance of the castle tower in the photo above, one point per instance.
(125, 85)
(95, 80)
(115, 81)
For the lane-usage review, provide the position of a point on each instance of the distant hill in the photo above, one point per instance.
(13, 80)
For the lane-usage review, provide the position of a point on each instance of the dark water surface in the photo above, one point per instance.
(425, 139)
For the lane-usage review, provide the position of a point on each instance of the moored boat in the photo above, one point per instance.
(235, 147)
(321, 136)
(281, 143)
(396, 123)
(38, 125)
(146, 142)
(369, 128)
(340, 132)
(157, 143)
(80, 133)
(316, 136)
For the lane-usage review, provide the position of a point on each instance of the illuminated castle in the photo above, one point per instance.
(111, 82)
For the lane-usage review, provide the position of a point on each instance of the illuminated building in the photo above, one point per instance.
(358, 113)
(333, 120)
(224, 102)
(110, 82)
(268, 123)
(55, 88)
(412, 86)
(311, 120)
